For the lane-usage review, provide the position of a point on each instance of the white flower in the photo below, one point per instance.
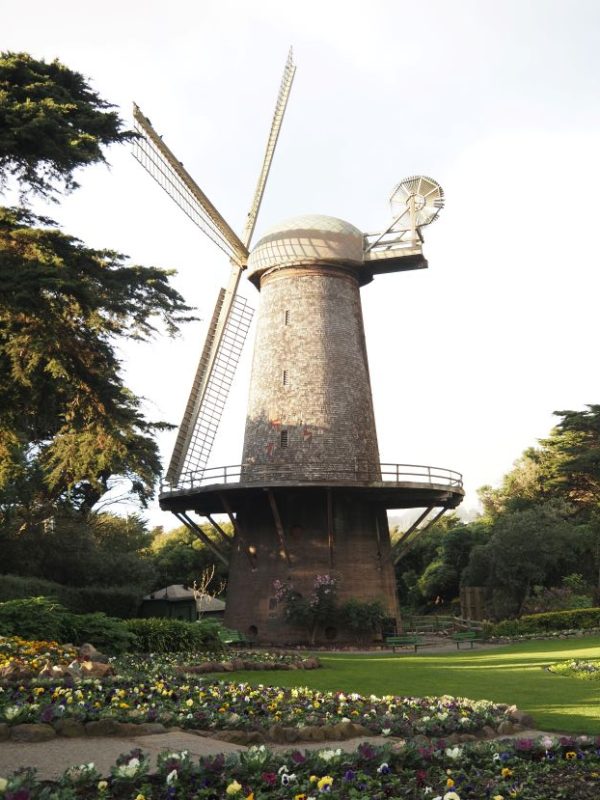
(386, 731)
(454, 752)
(10, 712)
(346, 719)
(547, 742)
(3, 784)
(451, 796)
(327, 755)
(172, 777)
(287, 779)
(282, 770)
(130, 769)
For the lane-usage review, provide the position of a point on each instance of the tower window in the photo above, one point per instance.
(286, 317)
(284, 438)
(284, 377)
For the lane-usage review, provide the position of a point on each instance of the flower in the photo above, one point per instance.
(171, 778)
(102, 786)
(451, 796)
(140, 797)
(571, 754)
(454, 752)
(383, 769)
(327, 755)
(233, 788)
(3, 784)
(386, 731)
(288, 778)
(324, 785)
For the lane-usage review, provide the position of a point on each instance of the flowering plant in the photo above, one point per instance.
(309, 612)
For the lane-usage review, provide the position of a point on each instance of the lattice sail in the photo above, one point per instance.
(205, 406)
(160, 163)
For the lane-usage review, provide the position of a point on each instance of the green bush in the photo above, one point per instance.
(116, 601)
(158, 635)
(46, 619)
(363, 619)
(550, 621)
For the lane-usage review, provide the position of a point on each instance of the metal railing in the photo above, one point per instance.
(359, 473)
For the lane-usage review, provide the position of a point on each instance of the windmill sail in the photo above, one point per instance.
(232, 316)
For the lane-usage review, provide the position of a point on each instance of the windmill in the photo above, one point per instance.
(311, 495)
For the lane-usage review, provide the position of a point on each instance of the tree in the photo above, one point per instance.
(51, 122)
(68, 424)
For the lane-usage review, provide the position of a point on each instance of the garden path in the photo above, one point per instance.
(52, 758)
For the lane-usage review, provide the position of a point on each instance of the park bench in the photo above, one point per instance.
(231, 637)
(466, 636)
(402, 641)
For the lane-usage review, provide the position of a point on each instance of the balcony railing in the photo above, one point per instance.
(360, 473)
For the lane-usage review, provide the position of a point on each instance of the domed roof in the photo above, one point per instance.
(304, 240)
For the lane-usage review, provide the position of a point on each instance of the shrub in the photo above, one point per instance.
(46, 619)
(363, 619)
(550, 621)
(116, 601)
(158, 635)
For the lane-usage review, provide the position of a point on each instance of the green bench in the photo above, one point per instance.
(466, 636)
(231, 637)
(402, 641)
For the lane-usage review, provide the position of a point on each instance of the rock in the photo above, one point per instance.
(102, 727)
(96, 669)
(522, 718)
(255, 737)
(87, 652)
(70, 728)
(227, 666)
(467, 737)
(488, 732)
(50, 671)
(16, 672)
(311, 663)
(505, 727)
(517, 727)
(291, 734)
(233, 737)
(32, 732)
(4, 731)
(358, 729)
(422, 741)
(150, 728)
(454, 738)
(237, 664)
(276, 733)
(312, 733)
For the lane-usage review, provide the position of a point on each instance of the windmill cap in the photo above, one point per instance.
(307, 240)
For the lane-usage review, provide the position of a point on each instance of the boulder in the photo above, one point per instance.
(255, 737)
(103, 727)
(467, 737)
(312, 733)
(276, 733)
(522, 718)
(488, 732)
(311, 663)
(16, 671)
(4, 731)
(505, 727)
(150, 728)
(32, 732)
(70, 728)
(87, 652)
(96, 669)
(233, 737)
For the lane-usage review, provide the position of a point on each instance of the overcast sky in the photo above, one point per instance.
(498, 101)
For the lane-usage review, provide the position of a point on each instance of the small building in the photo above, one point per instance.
(181, 602)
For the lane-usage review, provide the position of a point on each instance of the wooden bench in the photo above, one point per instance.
(402, 641)
(466, 636)
(231, 637)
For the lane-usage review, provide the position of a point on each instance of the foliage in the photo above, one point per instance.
(317, 610)
(364, 619)
(575, 668)
(116, 601)
(69, 424)
(180, 557)
(41, 618)
(51, 123)
(157, 635)
(557, 598)
(579, 618)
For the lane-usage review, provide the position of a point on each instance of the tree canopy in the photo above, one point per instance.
(51, 122)
(68, 423)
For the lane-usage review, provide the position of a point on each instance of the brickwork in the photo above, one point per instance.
(310, 378)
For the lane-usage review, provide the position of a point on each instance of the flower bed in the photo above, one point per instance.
(230, 660)
(525, 769)
(33, 655)
(575, 668)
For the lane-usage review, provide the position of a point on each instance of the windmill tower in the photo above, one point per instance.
(310, 497)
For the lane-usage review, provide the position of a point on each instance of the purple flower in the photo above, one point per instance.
(349, 775)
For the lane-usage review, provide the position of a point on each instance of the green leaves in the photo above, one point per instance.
(51, 123)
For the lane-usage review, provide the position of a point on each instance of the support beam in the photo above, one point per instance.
(408, 546)
(330, 536)
(220, 531)
(192, 526)
(238, 531)
(411, 531)
(278, 525)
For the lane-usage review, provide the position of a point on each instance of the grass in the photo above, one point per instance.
(513, 674)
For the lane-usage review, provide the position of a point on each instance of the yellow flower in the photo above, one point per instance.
(102, 785)
(313, 779)
(189, 703)
(497, 797)
(299, 797)
(250, 796)
(506, 772)
(3, 784)
(233, 788)
(140, 797)
(449, 783)
(325, 782)
(571, 755)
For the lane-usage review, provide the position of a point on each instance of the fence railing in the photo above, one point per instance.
(360, 473)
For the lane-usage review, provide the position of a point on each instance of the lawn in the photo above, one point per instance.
(511, 674)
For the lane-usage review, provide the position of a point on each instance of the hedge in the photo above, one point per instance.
(43, 618)
(158, 635)
(578, 618)
(116, 601)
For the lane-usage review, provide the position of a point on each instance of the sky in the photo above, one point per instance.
(499, 102)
